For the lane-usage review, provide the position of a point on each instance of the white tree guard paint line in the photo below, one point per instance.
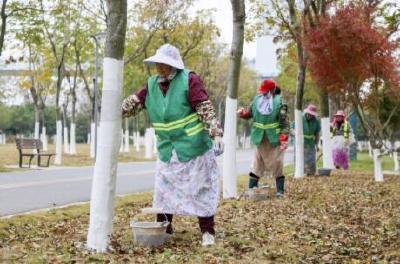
(369, 149)
(37, 127)
(299, 142)
(92, 139)
(154, 140)
(58, 157)
(229, 178)
(121, 145)
(327, 159)
(66, 143)
(36, 134)
(378, 175)
(105, 169)
(396, 161)
(148, 151)
(88, 139)
(126, 139)
(43, 138)
(137, 142)
(72, 145)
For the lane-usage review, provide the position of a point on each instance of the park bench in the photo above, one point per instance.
(32, 144)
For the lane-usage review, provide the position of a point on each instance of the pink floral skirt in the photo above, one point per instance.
(340, 153)
(187, 188)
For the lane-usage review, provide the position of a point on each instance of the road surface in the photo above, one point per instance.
(38, 189)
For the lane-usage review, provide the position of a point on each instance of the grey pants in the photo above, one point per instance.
(310, 160)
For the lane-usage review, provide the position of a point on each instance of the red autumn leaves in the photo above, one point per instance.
(348, 49)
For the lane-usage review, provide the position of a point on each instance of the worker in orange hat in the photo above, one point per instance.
(269, 133)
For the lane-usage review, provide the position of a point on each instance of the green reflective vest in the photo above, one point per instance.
(266, 125)
(342, 131)
(310, 129)
(176, 124)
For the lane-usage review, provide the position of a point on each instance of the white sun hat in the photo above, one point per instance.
(166, 54)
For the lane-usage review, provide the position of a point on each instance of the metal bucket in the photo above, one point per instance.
(149, 234)
(257, 194)
(324, 172)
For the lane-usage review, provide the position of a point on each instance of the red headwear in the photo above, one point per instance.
(266, 86)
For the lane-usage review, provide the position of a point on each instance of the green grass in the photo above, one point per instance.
(363, 163)
(345, 218)
(9, 157)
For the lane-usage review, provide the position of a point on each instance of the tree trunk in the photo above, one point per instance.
(72, 145)
(43, 136)
(229, 157)
(298, 118)
(325, 131)
(3, 25)
(396, 161)
(126, 136)
(378, 175)
(105, 169)
(58, 157)
(148, 153)
(65, 126)
(137, 134)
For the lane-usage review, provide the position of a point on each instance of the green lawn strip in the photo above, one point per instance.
(342, 218)
(9, 157)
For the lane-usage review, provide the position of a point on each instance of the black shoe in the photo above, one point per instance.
(280, 186)
(253, 180)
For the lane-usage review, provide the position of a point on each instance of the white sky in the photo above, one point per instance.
(223, 19)
(263, 50)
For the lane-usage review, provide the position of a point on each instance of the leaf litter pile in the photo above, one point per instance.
(343, 218)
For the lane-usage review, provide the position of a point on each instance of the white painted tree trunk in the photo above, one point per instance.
(58, 157)
(121, 145)
(88, 139)
(327, 159)
(154, 140)
(66, 139)
(4, 138)
(126, 138)
(378, 175)
(148, 138)
(229, 177)
(43, 138)
(105, 169)
(396, 161)
(36, 134)
(369, 149)
(299, 141)
(137, 141)
(72, 145)
(92, 139)
(37, 127)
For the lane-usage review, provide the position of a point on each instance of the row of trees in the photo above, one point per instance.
(57, 37)
(350, 50)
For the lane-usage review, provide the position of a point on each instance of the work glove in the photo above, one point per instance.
(243, 113)
(130, 106)
(283, 139)
(218, 145)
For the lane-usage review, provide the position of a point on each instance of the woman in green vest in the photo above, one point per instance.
(311, 130)
(187, 176)
(269, 133)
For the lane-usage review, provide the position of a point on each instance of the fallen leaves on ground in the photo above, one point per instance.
(343, 218)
